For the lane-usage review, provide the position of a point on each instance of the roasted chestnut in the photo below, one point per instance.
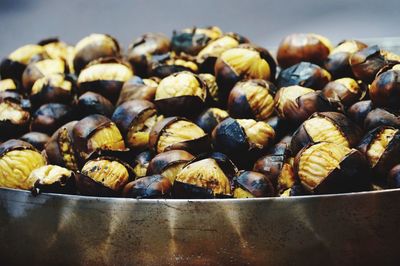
(299, 47)
(36, 139)
(381, 117)
(96, 132)
(381, 146)
(394, 177)
(385, 90)
(337, 62)
(212, 88)
(52, 179)
(359, 111)
(347, 90)
(192, 40)
(138, 89)
(135, 119)
(182, 94)
(141, 163)
(253, 99)
(57, 49)
(326, 127)
(105, 77)
(91, 103)
(281, 127)
(8, 85)
(169, 163)
(103, 177)
(49, 117)
(60, 149)
(250, 184)
(167, 64)
(304, 74)
(141, 51)
(176, 133)
(327, 167)
(148, 187)
(17, 160)
(206, 176)
(210, 118)
(93, 47)
(14, 117)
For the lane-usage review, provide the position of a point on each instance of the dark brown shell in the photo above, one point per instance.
(37, 139)
(14, 129)
(91, 103)
(255, 183)
(366, 63)
(334, 90)
(359, 111)
(49, 117)
(393, 178)
(148, 187)
(14, 144)
(31, 74)
(64, 185)
(208, 120)
(107, 88)
(165, 159)
(136, 89)
(381, 117)
(385, 90)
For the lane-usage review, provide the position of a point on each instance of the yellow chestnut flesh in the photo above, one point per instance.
(378, 146)
(24, 54)
(259, 133)
(49, 174)
(241, 193)
(12, 112)
(54, 80)
(322, 129)
(261, 102)
(7, 84)
(138, 134)
(108, 138)
(108, 71)
(183, 84)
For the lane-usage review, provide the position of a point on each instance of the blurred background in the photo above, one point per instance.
(264, 22)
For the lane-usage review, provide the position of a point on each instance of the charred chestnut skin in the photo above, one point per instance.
(37, 139)
(64, 185)
(49, 117)
(340, 91)
(385, 90)
(148, 187)
(381, 117)
(136, 89)
(210, 118)
(394, 177)
(255, 183)
(359, 111)
(91, 103)
(169, 63)
(141, 163)
(281, 127)
(8, 127)
(165, 159)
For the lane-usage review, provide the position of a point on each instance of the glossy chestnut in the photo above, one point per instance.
(138, 89)
(141, 163)
(36, 139)
(347, 90)
(148, 187)
(52, 179)
(91, 103)
(249, 184)
(381, 117)
(49, 117)
(210, 118)
(385, 90)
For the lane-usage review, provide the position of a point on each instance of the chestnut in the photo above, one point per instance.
(138, 89)
(148, 187)
(328, 127)
(393, 178)
(366, 63)
(210, 118)
(14, 65)
(140, 52)
(167, 64)
(212, 88)
(36, 139)
(252, 99)
(17, 160)
(105, 77)
(206, 176)
(242, 139)
(141, 163)
(91, 103)
(182, 94)
(96, 132)
(250, 184)
(359, 111)
(93, 47)
(337, 62)
(247, 61)
(304, 74)
(192, 40)
(347, 90)
(385, 90)
(14, 115)
(52, 179)
(60, 149)
(49, 117)
(299, 47)
(169, 163)
(381, 146)
(281, 127)
(103, 177)
(135, 119)
(381, 117)
(8, 85)
(326, 167)
(177, 133)
(57, 49)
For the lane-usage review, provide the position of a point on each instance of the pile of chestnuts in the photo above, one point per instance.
(203, 114)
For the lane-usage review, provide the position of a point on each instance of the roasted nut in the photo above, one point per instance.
(96, 132)
(212, 88)
(93, 47)
(135, 119)
(105, 77)
(37, 70)
(246, 61)
(57, 49)
(148, 187)
(326, 127)
(8, 85)
(60, 149)
(103, 177)
(138, 89)
(206, 176)
(53, 88)
(91, 103)
(181, 94)
(14, 65)
(337, 62)
(176, 133)
(170, 63)
(14, 118)
(36, 139)
(49, 117)
(331, 168)
(359, 111)
(304, 74)
(253, 99)
(17, 160)
(141, 163)
(192, 40)
(52, 179)
(385, 90)
(210, 118)
(141, 51)
(169, 163)
(394, 177)
(347, 90)
(250, 184)
(381, 117)
(299, 47)
(381, 146)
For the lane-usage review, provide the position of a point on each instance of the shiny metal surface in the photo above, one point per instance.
(348, 229)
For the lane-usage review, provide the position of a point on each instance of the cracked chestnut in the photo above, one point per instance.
(148, 187)
(381, 117)
(52, 179)
(385, 90)
(249, 184)
(49, 117)
(210, 118)
(137, 88)
(91, 103)
(36, 139)
(141, 163)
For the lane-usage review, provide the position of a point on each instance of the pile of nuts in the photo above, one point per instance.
(204, 114)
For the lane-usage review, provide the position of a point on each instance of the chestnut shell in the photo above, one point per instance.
(148, 187)
(37, 139)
